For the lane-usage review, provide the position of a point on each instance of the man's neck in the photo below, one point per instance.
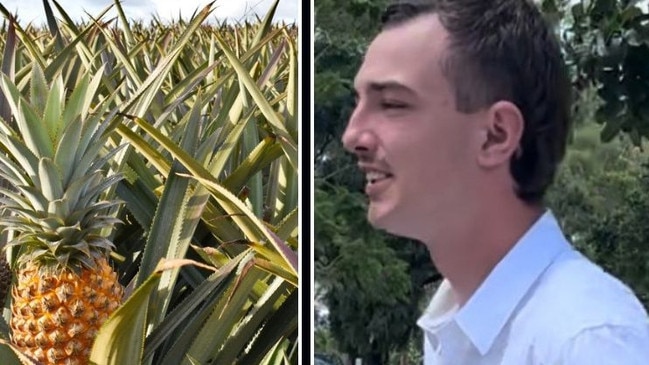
(469, 253)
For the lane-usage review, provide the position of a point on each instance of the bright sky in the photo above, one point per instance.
(234, 10)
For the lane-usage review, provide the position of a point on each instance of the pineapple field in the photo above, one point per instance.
(148, 190)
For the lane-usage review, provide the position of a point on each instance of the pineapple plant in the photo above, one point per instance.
(208, 110)
(53, 155)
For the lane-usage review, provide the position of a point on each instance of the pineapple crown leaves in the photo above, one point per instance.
(54, 157)
(55, 126)
(63, 254)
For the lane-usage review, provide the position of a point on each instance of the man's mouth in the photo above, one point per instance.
(373, 177)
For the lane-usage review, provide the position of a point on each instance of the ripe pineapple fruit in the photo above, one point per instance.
(65, 288)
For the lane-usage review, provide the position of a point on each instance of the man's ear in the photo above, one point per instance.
(502, 132)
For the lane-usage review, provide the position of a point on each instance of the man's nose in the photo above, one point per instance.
(358, 138)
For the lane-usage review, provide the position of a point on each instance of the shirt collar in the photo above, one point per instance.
(487, 311)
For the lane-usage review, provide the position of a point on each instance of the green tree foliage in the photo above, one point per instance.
(372, 294)
(603, 206)
(607, 45)
(600, 196)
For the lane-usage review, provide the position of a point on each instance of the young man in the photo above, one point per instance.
(461, 121)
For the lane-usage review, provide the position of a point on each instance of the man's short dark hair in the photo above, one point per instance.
(505, 50)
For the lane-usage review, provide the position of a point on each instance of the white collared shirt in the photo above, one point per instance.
(543, 304)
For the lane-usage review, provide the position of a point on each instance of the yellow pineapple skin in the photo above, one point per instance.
(55, 317)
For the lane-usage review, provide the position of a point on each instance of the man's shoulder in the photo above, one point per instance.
(573, 295)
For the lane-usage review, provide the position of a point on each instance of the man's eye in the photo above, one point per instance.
(393, 105)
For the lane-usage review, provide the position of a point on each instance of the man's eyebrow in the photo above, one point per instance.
(390, 85)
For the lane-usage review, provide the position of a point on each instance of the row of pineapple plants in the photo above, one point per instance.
(148, 190)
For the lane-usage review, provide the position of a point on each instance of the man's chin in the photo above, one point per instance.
(380, 218)
(389, 221)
